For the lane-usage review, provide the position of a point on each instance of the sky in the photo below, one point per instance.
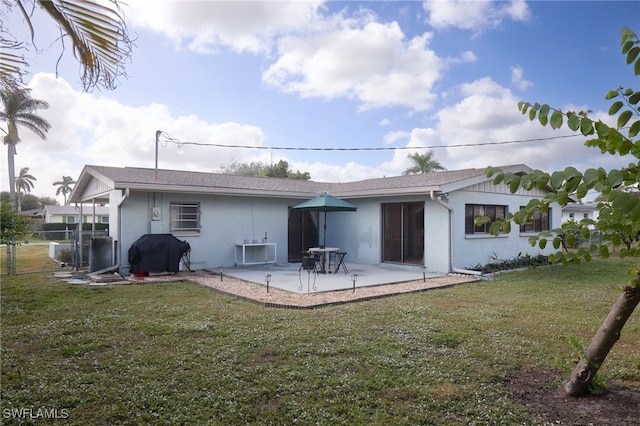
(342, 90)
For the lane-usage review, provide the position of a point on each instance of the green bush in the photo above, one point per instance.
(518, 262)
(65, 256)
(73, 226)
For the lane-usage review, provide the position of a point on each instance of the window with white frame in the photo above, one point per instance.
(538, 222)
(185, 217)
(104, 219)
(473, 211)
(70, 219)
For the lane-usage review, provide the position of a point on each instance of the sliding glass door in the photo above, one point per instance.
(403, 233)
(303, 233)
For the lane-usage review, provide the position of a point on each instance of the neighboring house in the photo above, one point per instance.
(577, 212)
(71, 214)
(416, 220)
(33, 213)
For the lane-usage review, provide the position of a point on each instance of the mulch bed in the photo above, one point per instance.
(540, 392)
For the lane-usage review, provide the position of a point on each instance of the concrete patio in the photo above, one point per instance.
(290, 278)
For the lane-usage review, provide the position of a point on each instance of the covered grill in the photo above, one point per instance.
(158, 253)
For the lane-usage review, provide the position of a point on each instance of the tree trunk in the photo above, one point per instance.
(11, 150)
(606, 336)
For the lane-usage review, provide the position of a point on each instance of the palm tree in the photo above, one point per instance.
(64, 187)
(24, 184)
(97, 32)
(423, 163)
(19, 110)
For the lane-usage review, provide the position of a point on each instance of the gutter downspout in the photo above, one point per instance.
(119, 236)
(79, 251)
(452, 266)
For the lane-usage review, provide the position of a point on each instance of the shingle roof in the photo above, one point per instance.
(411, 183)
(216, 183)
(185, 181)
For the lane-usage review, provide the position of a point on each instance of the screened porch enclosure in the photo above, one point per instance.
(403, 233)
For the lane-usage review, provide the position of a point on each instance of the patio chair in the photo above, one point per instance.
(340, 262)
(310, 263)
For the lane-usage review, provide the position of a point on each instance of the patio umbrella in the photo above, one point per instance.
(326, 203)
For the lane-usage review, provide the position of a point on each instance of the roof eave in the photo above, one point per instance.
(212, 190)
(387, 192)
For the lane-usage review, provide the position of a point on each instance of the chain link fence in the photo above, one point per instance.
(47, 251)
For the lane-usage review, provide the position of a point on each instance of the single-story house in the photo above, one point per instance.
(423, 220)
(71, 214)
(578, 211)
(33, 213)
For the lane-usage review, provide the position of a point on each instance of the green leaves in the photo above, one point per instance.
(634, 129)
(624, 117)
(631, 47)
(586, 127)
(618, 224)
(556, 119)
(615, 107)
(592, 176)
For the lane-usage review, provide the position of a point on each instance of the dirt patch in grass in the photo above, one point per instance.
(540, 392)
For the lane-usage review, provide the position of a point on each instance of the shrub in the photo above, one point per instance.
(520, 261)
(65, 256)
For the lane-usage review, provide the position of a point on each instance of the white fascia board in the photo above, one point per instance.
(213, 191)
(415, 190)
(454, 186)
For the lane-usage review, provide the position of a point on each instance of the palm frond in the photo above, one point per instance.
(99, 36)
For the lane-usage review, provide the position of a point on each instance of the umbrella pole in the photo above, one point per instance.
(324, 240)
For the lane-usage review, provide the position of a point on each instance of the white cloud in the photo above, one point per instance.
(477, 16)
(316, 54)
(487, 116)
(91, 129)
(372, 63)
(518, 80)
(393, 137)
(204, 26)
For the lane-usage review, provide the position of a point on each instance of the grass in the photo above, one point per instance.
(29, 258)
(182, 354)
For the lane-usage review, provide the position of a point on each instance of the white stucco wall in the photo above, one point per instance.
(472, 250)
(224, 222)
(437, 247)
(358, 233)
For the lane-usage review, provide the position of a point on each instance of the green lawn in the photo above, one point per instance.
(183, 354)
(29, 258)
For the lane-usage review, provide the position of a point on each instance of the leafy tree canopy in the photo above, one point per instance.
(619, 204)
(12, 224)
(30, 202)
(280, 170)
(618, 222)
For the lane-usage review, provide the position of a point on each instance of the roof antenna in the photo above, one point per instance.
(158, 133)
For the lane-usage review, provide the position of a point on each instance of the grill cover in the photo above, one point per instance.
(157, 253)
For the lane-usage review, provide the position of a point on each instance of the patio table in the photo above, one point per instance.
(325, 253)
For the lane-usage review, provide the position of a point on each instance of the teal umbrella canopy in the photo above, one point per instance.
(326, 203)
